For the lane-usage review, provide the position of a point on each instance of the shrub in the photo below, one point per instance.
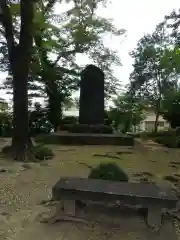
(108, 171)
(168, 141)
(177, 131)
(77, 139)
(64, 127)
(178, 141)
(43, 153)
(6, 149)
(85, 128)
(165, 133)
(69, 120)
(151, 135)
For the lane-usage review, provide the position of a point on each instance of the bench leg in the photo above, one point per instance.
(154, 218)
(69, 207)
(69, 210)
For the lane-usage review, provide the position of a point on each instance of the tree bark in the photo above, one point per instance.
(156, 122)
(19, 58)
(21, 143)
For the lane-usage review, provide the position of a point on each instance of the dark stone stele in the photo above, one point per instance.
(91, 109)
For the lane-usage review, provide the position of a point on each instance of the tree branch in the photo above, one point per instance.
(6, 20)
(69, 71)
(49, 6)
(64, 54)
(2, 32)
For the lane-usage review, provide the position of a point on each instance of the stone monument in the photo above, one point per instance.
(91, 109)
(91, 129)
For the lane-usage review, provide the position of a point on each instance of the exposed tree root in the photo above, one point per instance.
(58, 218)
(23, 152)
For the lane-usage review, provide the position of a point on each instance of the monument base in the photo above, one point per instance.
(92, 129)
(75, 139)
(86, 128)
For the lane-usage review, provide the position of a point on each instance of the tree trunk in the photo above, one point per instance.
(156, 122)
(55, 113)
(21, 142)
(55, 105)
(21, 57)
(158, 105)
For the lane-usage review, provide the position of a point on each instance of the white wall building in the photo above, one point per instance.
(147, 124)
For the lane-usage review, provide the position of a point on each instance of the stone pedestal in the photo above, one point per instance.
(91, 110)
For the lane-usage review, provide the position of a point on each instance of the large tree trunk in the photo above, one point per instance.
(19, 58)
(55, 103)
(21, 143)
(54, 112)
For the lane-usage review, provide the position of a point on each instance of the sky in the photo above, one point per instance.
(137, 17)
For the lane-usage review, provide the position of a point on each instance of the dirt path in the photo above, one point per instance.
(149, 145)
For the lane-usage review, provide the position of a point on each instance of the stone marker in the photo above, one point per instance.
(91, 109)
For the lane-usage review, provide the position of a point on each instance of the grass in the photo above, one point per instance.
(23, 187)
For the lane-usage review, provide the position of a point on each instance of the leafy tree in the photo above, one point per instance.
(38, 120)
(153, 75)
(64, 37)
(72, 103)
(4, 107)
(5, 119)
(126, 112)
(171, 101)
(34, 22)
(172, 23)
(171, 58)
(171, 108)
(5, 124)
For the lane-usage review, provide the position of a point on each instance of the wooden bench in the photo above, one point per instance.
(147, 195)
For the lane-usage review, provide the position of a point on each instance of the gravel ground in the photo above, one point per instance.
(25, 187)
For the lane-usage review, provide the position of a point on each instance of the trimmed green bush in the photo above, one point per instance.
(69, 120)
(168, 141)
(108, 171)
(177, 131)
(85, 139)
(85, 128)
(152, 135)
(64, 127)
(168, 138)
(40, 151)
(178, 142)
(43, 153)
(6, 149)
